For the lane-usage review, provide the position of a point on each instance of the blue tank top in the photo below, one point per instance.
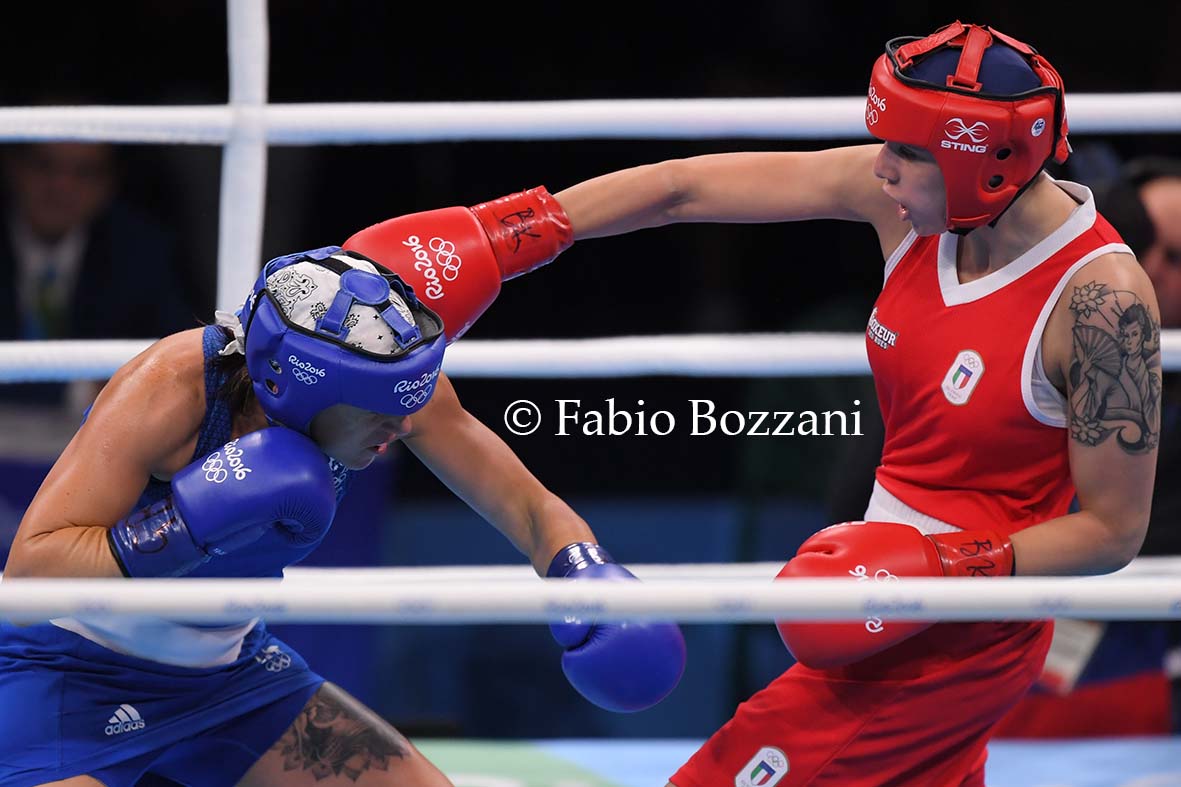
(161, 640)
(258, 559)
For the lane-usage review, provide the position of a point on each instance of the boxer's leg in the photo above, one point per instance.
(336, 740)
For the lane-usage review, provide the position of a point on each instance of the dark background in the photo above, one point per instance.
(687, 279)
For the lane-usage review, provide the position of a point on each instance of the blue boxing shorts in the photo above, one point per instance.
(70, 707)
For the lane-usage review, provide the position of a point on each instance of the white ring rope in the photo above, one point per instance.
(404, 122)
(696, 355)
(539, 601)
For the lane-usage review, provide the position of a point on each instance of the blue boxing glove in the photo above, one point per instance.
(273, 478)
(621, 667)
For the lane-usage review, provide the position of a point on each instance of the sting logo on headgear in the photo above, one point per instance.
(971, 89)
(955, 130)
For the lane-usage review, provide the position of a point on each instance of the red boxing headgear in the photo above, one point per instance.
(988, 146)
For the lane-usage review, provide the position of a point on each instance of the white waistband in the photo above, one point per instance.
(162, 640)
(884, 507)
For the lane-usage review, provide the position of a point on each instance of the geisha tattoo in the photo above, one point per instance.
(1115, 369)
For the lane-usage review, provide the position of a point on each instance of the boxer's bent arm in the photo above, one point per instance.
(731, 187)
(1113, 418)
(484, 472)
(147, 414)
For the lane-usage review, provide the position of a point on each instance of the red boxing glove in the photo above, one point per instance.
(882, 552)
(455, 258)
(527, 230)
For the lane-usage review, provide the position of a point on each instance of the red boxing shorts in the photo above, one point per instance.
(919, 713)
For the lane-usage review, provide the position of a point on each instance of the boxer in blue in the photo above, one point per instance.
(223, 451)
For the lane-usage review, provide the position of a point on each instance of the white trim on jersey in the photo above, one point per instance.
(1080, 220)
(899, 253)
(1043, 401)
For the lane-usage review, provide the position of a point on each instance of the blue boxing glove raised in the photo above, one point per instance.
(621, 667)
(273, 478)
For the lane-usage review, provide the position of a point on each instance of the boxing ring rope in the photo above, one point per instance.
(355, 123)
(1149, 588)
(541, 601)
(247, 125)
(696, 355)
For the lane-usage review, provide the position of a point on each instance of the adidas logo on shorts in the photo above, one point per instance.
(126, 719)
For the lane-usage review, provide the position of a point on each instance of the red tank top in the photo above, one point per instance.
(965, 440)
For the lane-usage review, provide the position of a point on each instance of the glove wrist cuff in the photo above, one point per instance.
(975, 553)
(576, 557)
(155, 542)
(527, 229)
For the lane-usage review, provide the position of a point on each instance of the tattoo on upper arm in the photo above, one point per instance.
(336, 736)
(1115, 369)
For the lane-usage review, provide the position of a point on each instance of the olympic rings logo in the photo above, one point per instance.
(307, 373)
(881, 575)
(305, 377)
(417, 397)
(446, 258)
(215, 471)
(218, 470)
(273, 659)
(873, 105)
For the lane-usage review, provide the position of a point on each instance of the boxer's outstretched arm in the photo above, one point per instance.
(731, 187)
(484, 472)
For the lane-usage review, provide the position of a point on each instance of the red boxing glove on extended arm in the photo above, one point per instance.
(455, 258)
(527, 230)
(882, 552)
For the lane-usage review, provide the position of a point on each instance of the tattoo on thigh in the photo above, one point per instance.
(1115, 369)
(335, 736)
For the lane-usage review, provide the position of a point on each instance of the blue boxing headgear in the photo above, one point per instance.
(329, 326)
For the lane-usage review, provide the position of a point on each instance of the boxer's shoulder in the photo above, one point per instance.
(158, 394)
(176, 362)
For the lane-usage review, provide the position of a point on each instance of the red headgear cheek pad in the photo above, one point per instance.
(988, 147)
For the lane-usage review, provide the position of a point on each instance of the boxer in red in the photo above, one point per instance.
(1015, 348)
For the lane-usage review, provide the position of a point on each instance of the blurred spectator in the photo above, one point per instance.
(78, 262)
